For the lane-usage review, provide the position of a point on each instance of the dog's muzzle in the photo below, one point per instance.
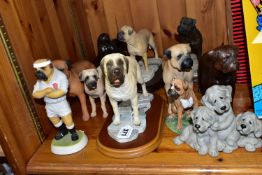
(120, 36)
(173, 95)
(41, 75)
(187, 64)
(91, 85)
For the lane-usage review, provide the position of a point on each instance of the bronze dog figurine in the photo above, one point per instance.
(218, 67)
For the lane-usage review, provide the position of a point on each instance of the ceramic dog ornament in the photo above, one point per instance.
(52, 86)
(122, 73)
(138, 42)
(182, 99)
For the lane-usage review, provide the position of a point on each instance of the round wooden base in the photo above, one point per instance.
(144, 144)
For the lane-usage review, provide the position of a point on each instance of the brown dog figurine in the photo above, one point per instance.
(218, 67)
(182, 98)
(76, 88)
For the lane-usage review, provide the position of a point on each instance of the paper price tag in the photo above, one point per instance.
(125, 132)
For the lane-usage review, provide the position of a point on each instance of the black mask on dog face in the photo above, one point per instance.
(172, 94)
(40, 75)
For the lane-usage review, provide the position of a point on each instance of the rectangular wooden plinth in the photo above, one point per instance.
(166, 159)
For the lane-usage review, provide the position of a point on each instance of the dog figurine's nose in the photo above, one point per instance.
(223, 108)
(197, 126)
(167, 53)
(243, 126)
(116, 71)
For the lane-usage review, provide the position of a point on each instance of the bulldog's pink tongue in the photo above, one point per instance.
(117, 81)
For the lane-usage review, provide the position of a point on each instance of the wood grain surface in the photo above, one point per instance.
(166, 159)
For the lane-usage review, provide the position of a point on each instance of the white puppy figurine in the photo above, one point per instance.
(218, 99)
(247, 132)
(199, 135)
(94, 87)
(121, 74)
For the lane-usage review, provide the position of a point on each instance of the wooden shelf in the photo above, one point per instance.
(166, 159)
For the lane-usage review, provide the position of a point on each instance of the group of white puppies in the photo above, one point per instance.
(215, 128)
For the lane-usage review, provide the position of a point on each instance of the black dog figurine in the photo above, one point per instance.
(218, 67)
(188, 33)
(106, 46)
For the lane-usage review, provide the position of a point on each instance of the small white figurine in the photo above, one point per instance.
(52, 85)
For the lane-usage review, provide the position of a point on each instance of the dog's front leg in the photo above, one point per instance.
(116, 111)
(145, 93)
(134, 102)
(213, 150)
(179, 118)
(103, 105)
(202, 146)
(93, 106)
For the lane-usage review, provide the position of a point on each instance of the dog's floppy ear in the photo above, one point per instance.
(258, 128)
(102, 68)
(99, 72)
(205, 101)
(126, 67)
(130, 31)
(81, 76)
(228, 90)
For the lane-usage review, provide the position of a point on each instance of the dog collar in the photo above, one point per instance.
(42, 64)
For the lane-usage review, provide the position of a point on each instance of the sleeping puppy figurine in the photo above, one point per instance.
(182, 98)
(188, 33)
(179, 65)
(137, 42)
(218, 67)
(94, 87)
(121, 75)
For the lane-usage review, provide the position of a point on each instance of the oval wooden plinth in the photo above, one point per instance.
(146, 141)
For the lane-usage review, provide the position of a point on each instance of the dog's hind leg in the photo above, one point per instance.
(82, 99)
(140, 80)
(153, 45)
(103, 105)
(145, 61)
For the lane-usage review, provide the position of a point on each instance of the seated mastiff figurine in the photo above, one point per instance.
(52, 85)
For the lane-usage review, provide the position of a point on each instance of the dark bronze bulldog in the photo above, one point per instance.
(218, 67)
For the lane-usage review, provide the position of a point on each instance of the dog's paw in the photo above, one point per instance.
(202, 151)
(221, 146)
(85, 117)
(137, 122)
(93, 114)
(195, 146)
(213, 153)
(250, 148)
(116, 122)
(177, 141)
(105, 115)
(228, 149)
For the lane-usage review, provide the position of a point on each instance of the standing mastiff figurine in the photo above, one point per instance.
(138, 43)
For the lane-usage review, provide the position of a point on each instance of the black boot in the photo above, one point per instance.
(74, 135)
(62, 131)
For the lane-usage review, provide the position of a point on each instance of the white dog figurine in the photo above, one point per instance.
(199, 135)
(247, 132)
(94, 87)
(122, 73)
(218, 99)
(137, 42)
